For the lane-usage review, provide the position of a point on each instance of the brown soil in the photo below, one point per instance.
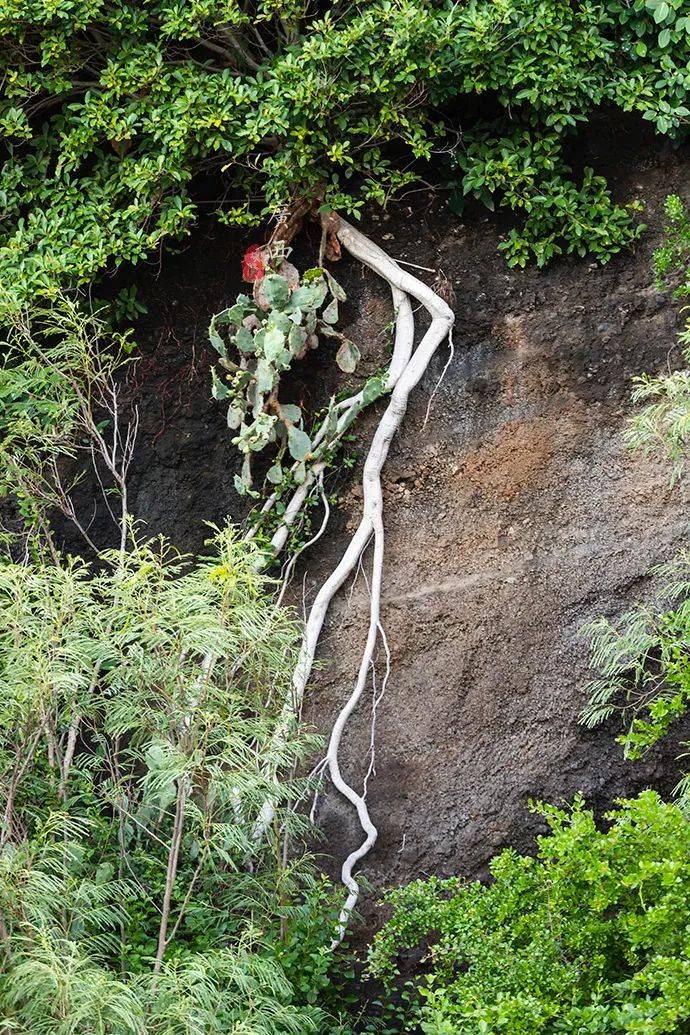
(513, 517)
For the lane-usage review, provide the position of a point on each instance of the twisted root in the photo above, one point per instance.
(406, 368)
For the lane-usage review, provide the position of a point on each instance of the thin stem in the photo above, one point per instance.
(26, 754)
(171, 874)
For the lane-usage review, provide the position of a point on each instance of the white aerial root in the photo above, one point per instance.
(406, 368)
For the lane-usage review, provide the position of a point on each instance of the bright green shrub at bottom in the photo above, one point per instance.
(590, 936)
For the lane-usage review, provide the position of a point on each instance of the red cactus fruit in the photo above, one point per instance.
(253, 265)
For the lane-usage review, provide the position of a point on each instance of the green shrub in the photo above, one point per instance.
(141, 730)
(590, 936)
(111, 112)
(672, 257)
(527, 171)
(662, 426)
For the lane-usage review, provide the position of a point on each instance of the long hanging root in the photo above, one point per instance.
(406, 368)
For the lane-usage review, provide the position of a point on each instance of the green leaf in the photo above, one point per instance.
(237, 312)
(335, 288)
(374, 388)
(275, 290)
(104, 873)
(330, 313)
(275, 474)
(296, 339)
(264, 375)
(218, 389)
(347, 356)
(280, 319)
(310, 296)
(487, 199)
(299, 443)
(155, 756)
(244, 340)
(290, 412)
(215, 338)
(274, 343)
(235, 417)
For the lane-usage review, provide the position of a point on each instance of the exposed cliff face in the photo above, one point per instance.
(513, 516)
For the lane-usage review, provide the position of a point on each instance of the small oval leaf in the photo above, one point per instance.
(275, 474)
(299, 443)
(235, 417)
(290, 412)
(330, 313)
(275, 290)
(347, 356)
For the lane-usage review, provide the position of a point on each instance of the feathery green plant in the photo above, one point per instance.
(58, 402)
(139, 706)
(643, 661)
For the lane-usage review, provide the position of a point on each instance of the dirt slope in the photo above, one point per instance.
(513, 516)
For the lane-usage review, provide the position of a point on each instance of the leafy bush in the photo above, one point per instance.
(672, 257)
(530, 176)
(121, 107)
(591, 935)
(643, 663)
(111, 111)
(141, 730)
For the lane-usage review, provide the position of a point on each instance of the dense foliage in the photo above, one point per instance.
(111, 111)
(590, 936)
(145, 702)
(143, 729)
(140, 705)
